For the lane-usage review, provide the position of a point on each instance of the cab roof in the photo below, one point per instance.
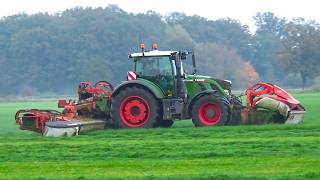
(152, 53)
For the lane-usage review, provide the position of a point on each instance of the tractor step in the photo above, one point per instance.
(71, 128)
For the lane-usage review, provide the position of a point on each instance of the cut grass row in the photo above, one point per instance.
(219, 168)
(273, 151)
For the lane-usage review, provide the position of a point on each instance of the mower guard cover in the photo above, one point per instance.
(61, 128)
(275, 100)
(71, 128)
(295, 117)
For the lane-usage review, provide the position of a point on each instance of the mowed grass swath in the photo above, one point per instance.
(238, 152)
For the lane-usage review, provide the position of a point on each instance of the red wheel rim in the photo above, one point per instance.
(210, 114)
(134, 111)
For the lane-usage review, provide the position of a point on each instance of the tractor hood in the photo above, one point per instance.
(225, 84)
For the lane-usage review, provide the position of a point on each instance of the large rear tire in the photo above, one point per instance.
(134, 107)
(210, 110)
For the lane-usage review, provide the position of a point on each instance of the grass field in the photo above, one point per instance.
(181, 152)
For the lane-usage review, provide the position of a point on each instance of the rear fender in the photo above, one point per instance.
(194, 99)
(150, 86)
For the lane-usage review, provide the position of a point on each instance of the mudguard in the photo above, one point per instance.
(156, 90)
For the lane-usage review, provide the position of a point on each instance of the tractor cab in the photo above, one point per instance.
(163, 68)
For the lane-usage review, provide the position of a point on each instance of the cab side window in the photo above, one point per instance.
(158, 70)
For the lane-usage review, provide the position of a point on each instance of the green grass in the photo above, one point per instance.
(181, 152)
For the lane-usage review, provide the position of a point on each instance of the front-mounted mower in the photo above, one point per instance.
(158, 91)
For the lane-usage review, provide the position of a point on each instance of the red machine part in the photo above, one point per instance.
(134, 111)
(87, 90)
(69, 112)
(210, 113)
(260, 90)
(35, 119)
(103, 88)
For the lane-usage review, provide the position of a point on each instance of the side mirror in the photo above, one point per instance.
(193, 60)
(194, 64)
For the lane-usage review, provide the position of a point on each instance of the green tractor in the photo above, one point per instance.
(159, 91)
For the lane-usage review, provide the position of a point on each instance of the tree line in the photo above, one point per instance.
(52, 53)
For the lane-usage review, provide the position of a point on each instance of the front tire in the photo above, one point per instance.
(134, 107)
(210, 110)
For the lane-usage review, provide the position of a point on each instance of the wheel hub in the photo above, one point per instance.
(210, 113)
(134, 111)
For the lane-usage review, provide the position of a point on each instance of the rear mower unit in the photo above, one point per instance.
(268, 103)
(158, 91)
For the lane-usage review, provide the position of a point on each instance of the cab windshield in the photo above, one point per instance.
(157, 69)
(153, 66)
